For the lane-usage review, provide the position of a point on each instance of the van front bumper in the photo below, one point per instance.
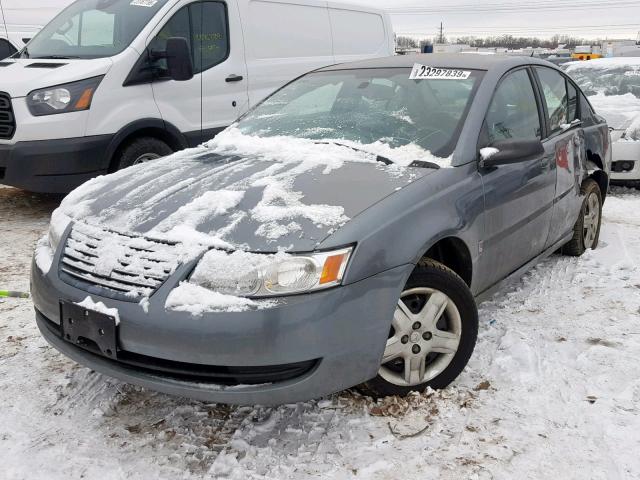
(306, 347)
(53, 166)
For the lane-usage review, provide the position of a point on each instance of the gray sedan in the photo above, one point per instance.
(340, 234)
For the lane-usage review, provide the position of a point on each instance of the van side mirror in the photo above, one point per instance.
(506, 152)
(179, 61)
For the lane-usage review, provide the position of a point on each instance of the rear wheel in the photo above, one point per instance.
(141, 150)
(586, 232)
(432, 336)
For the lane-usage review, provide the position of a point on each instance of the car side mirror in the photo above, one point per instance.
(506, 152)
(179, 61)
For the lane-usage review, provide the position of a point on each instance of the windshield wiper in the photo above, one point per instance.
(379, 158)
(55, 57)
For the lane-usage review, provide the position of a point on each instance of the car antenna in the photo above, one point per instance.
(4, 20)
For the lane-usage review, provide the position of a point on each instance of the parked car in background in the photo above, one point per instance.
(336, 235)
(107, 85)
(613, 87)
(14, 38)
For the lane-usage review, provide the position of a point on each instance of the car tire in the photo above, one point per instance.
(430, 282)
(586, 232)
(140, 150)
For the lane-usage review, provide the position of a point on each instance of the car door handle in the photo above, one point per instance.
(234, 78)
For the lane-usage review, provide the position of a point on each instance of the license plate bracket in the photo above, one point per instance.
(88, 329)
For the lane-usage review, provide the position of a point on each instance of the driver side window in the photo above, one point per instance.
(204, 26)
(513, 113)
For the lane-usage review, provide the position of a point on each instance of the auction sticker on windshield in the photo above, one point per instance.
(143, 3)
(421, 72)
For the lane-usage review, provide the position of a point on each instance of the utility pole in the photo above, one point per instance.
(441, 35)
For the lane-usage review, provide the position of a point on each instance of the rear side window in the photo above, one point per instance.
(514, 111)
(554, 89)
(573, 102)
(204, 26)
(6, 49)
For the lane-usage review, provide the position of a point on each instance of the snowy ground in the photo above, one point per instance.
(553, 391)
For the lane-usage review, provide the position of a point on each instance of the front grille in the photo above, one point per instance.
(7, 120)
(121, 266)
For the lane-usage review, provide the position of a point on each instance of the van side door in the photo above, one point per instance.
(518, 196)
(564, 147)
(220, 56)
(217, 93)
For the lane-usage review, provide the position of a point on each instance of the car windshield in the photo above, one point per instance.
(610, 80)
(93, 29)
(367, 106)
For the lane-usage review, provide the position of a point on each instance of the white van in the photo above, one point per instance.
(110, 83)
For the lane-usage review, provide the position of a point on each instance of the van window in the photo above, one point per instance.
(93, 29)
(554, 88)
(356, 33)
(514, 111)
(204, 26)
(284, 30)
(210, 36)
(6, 49)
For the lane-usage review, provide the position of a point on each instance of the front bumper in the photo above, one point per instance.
(53, 166)
(625, 152)
(335, 340)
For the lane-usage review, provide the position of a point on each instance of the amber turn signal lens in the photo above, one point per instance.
(84, 102)
(332, 269)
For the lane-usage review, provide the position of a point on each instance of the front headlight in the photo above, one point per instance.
(255, 275)
(70, 97)
(59, 223)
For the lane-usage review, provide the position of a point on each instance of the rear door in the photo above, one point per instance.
(564, 147)
(518, 197)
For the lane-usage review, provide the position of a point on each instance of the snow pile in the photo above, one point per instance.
(488, 152)
(44, 255)
(198, 300)
(632, 63)
(331, 153)
(89, 304)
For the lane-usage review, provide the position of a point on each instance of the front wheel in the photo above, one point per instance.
(586, 232)
(432, 336)
(142, 150)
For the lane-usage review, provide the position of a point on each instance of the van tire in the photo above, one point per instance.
(140, 150)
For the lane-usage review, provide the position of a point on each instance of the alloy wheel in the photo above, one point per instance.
(591, 220)
(425, 336)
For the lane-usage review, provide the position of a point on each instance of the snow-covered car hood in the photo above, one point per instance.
(22, 76)
(622, 113)
(271, 201)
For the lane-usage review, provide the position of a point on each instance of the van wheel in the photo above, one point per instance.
(142, 150)
(432, 336)
(586, 232)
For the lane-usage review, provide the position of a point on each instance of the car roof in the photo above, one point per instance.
(471, 61)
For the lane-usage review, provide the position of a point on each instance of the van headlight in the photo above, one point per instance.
(70, 97)
(256, 275)
(57, 227)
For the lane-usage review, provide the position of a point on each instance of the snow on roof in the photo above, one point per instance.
(604, 64)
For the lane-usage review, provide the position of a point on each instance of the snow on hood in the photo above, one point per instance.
(244, 192)
(622, 112)
(18, 79)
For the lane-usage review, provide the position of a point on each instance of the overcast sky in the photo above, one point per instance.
(585, 18)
